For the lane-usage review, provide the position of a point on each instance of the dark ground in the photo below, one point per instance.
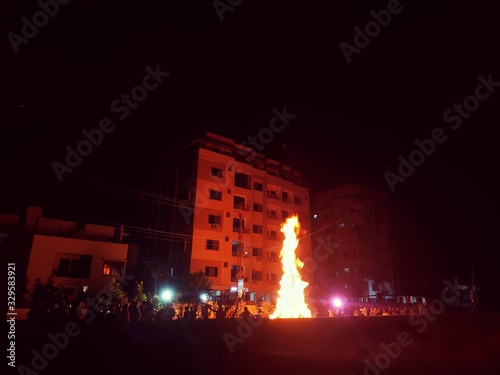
(454, 343)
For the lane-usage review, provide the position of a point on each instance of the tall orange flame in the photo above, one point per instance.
(291, 297)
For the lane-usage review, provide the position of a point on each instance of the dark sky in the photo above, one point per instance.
(353, 119)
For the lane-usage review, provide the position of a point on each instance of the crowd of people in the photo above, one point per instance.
(372, 309)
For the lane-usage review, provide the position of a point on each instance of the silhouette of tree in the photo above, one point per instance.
(198, 283)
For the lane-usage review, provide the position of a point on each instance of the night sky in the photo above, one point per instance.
(353, 119)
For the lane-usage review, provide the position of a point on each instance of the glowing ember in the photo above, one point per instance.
(291, 298)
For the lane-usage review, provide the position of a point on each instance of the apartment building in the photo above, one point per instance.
(218, 207)
(352, 243)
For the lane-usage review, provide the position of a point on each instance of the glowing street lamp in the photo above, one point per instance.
(204, 297)
(166, 295)
(337, 302)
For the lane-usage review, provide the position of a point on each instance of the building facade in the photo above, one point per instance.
(219, 209)
(76, 254)
(352, 243)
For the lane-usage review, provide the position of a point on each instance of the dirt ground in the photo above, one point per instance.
(454, 342)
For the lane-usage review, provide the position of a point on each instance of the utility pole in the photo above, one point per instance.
(240, 274)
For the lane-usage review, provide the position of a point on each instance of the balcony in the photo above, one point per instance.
(241, 207)
(273, 195)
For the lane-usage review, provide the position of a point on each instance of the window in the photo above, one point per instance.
(285, 197)
(256, 276)
(212, 245)
(273, 279)
(114, 268)
(346, 270)
(257, 252)
(234, 249)
(237, 223)
(257, 207)
(271, 214)
(341, 225)
(214, 219)
(285, 214)
(257, 229)
(272, 256)
(297, 200)
(271, 234)
(217, 172)
(217, 195)
(257, 186)
(273, 194)
(211, 271)
(234, 272)
(72, 265)
(242, 180)
(226, 264)
(239, 203)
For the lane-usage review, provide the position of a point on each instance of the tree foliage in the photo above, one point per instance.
(198, 283)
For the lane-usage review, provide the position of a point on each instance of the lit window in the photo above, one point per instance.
(341, 225)
(113, 268)
(346, 270)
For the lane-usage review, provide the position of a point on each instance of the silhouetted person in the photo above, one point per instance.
(220, 313)
(169, 312)
(135, 313)
(186, 313)
(123, 313)
(192, 312)
(246, 314)
(205, 311)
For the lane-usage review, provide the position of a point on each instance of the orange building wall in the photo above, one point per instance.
(43, 255)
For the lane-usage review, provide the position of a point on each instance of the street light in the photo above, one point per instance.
(337, 302)
(166, 295)
(204, 297)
